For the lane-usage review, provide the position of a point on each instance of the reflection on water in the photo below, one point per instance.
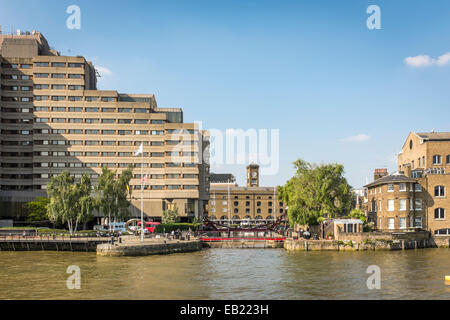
(227, 274)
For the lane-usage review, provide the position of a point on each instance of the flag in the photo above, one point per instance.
(140, 150)
(128, 188)
(144, 179)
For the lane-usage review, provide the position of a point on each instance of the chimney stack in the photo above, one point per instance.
(379, 173)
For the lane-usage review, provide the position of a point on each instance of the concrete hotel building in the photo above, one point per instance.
(53, 118)
(252, 203)
(418, 194)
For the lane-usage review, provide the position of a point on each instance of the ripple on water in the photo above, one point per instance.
(227, 274)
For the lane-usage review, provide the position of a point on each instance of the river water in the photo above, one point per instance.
(227, 274)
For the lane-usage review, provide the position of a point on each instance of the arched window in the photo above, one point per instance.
(223, 218)
(439, 213)
(448, 159)
(269, 218)
(236, 218)
(247, 218)
(258, 218)
(212, 218)
(439, 191)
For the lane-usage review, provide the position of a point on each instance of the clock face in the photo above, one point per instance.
(254, 174)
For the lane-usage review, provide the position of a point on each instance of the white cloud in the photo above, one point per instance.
(425, 61)
(103, 71)
(419, 61)
(444, 59)
(358, 138)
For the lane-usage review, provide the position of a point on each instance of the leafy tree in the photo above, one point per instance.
(111, 194)
(37, 209)
(70, 202)
(170, 216)
(358, 214)
(316, 192)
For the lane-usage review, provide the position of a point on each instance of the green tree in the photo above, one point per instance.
(170, 216)
(316, 192)
(70, 202)
(37, 209)
(112, 196)
(358, 214)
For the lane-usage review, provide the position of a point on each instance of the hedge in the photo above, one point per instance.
(168, 227)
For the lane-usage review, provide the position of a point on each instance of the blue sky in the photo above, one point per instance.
(311, 69)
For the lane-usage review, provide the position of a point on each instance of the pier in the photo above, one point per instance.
(49, 243)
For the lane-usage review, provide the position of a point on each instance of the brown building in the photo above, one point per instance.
(418, 194)
(53, 118)
(255, 204)
(426, 157)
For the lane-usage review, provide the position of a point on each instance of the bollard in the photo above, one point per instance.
(120, 239)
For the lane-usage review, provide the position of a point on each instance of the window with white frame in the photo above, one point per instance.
(439, 213)
(390, 188)
(391, 224)
(391, 206)
(402, 204)
(439, 191)
(417, 187)
(403, 223)
(418, 204)
(437, 159)
(402, 187)
(418, 222)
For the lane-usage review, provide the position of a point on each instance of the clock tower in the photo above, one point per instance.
(253, 175)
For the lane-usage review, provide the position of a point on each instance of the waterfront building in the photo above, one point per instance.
(53, 118)
(418, 194)
(230, 202)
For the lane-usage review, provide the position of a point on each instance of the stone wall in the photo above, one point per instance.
(244, 244)
(349, 245)
(145, 249)
(419, 235)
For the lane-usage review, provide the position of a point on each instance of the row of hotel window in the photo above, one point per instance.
(135, 176)
(76, 143)
(95, 165)
(111, 165)
(105, 132)
(44, 87)
(156, 187)
(110, 121)
(43, 64)
(114, 154)
(80, 109)
(54, 98)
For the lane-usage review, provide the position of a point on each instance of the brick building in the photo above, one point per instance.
(418, 194)
(252, 203)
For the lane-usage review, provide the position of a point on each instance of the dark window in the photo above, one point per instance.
(439, 191)
(439, 213)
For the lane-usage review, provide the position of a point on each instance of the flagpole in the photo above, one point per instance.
(142, 196)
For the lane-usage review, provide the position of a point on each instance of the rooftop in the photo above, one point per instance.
(392, 178)
(434, 136)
